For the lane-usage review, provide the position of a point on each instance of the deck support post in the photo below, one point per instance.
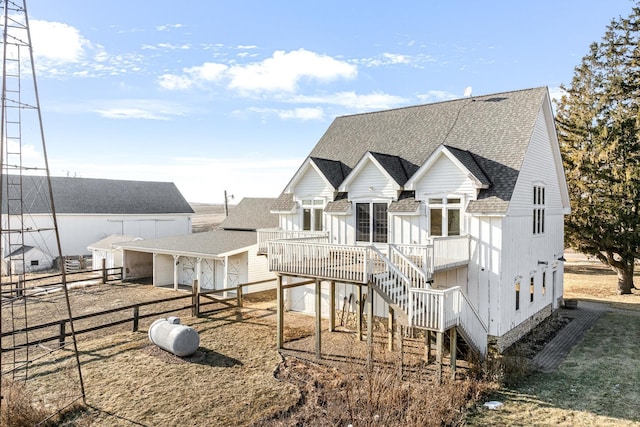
(332, 306)
(390, 326)
(453, 338)
(369, 327)
(280, 317)
(401, 350)
(318, 319)
(439, 351)
(359, 314)
(427, 346)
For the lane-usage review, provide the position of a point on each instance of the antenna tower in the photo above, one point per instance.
(23, 155)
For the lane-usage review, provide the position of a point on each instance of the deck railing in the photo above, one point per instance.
(449, 252)
(322, 260)
(441, 310)
(266, 235)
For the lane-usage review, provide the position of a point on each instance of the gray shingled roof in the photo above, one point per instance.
(406, 203)
(210, 243)
(334, 171)
(395, 166)
(251, 214)
(101, 196)
(341, 204)
(466, 158)
(284, 203)
(495, 129)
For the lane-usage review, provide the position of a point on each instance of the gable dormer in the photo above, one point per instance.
(376, 175)
(316, 178)
(448, 170)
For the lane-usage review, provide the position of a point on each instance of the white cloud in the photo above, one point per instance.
(291, 114)
(173, 82)
(436, 96)
(283, 71)
(209, 71)
(56, 41)
(168, 27)
(138, 109)
(373, 101)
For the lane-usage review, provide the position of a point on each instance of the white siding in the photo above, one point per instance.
(444, 177)
(311, 185)
(370, 183)
(406, 229)
(484, 268)
(340, 230)
(302, 299)
(81, 230)
(525, 254)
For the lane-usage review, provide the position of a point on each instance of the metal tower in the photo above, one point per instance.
(23, 154)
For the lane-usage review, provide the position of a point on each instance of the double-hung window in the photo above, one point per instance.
(444, 216)
(538, 209)
(312, 214)
(372, 223)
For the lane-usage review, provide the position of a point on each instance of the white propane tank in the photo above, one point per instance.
(170, 335)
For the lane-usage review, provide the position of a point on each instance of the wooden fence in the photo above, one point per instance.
(196, 302)
(48, 282)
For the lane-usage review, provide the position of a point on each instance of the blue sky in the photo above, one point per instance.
(233, 95)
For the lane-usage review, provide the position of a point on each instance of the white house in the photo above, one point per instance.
(89, 210)
(451, 213)
(218, 259)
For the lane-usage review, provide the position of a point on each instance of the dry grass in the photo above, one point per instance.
(230, 379)
(598, 383)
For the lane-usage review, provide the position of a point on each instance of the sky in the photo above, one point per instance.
(232, 96)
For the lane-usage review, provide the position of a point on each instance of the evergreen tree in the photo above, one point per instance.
(599, 131)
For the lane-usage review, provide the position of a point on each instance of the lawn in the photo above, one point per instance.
(598, 384)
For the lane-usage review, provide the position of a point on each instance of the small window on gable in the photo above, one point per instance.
(531, 289)
(538, 209)
(312, 212)
(518, 295)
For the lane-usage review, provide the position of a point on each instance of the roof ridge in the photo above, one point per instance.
(446, 101)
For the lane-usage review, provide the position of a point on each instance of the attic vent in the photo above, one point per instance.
(495, 99)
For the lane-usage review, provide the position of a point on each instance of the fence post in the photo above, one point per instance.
(195, 299)
(240, 296)
(104, 271)
(136, 318)
(61, 337)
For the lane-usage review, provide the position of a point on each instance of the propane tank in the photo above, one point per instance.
(170, 335)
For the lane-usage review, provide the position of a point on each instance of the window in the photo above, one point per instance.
(544, 283)
(444, 216)
(518, 295)
(531, 289)
(538, 209)
(35, 262)
(312, 215)
(372, 222)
